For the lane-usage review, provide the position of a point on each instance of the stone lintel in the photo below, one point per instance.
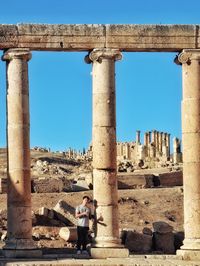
(84, 37)
(104, 253)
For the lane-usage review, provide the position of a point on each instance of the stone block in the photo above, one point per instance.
(142, 37)
(65, 213)
(164, 242)
(68, 233)
(171, 179)
(136, 242)
(131, 181)
(104, 253)
(189, 254)
(162, 227)
(34, 253)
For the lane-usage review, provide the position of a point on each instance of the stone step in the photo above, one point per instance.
(137, 260)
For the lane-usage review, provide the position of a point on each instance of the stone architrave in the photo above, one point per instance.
(19, 233)
(190, 60)
(104, 147)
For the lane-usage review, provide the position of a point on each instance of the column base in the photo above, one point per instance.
(107, 242)
(104, 253)
(189, 254)
(21, 248)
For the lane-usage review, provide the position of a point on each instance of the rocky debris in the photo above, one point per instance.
(3, 185)
(80, 185)
(68, 233)
(139, 243)
(65, 213)
(46, 217)
(163, 237)
(125, 166)
(41, 149)
(3, 235)
(47, 185)
(45, 232)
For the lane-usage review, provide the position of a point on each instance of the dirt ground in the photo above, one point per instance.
(138, 208)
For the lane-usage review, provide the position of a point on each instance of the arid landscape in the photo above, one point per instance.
(145, 200)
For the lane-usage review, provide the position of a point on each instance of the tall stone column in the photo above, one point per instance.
(168, 145)
(138, 136)
(160, 141)
(104, 150)
(190, 60)
(19, 233)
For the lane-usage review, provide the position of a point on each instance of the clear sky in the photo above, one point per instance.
(148, 85)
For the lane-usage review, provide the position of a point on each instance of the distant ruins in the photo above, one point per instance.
(154, 151)
(156, 147)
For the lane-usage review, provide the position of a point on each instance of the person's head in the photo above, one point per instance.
(86, 200)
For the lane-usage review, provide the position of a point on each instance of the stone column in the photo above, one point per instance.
(146, 139)
(157, 142)
(138, 136)
(104, 150)
(160, 141)
(153, 140)
(176, 150)
(190, 60)
(19, 233)
(168, 145)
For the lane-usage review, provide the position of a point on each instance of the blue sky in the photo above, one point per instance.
(148, 85)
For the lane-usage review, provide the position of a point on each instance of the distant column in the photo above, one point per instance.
(146, 138)
(176, 150)
(168, 145)
(160, 141)
(104, 146)
(19, 233)
(190, 60)
(138, 136)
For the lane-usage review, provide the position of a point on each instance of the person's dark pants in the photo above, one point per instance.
(82, 233)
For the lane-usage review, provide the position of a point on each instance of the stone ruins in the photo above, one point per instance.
(155, 150)
(105, 45)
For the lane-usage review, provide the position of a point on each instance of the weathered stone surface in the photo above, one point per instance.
(68, 233)
(65, 212)
(190, 60)
(136, 242)
(162, 227)
(72, 37)
(47, 185)
(130, 181)
(150, 37)
(171, 179)
(164, 242)
(102, 253)
(3, 185)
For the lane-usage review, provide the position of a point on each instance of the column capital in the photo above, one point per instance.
(103, 53)
(17, 53)
(186, 56)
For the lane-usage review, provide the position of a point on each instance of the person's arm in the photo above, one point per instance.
(79, 214)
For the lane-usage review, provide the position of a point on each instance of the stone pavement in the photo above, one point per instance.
(132, 260)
